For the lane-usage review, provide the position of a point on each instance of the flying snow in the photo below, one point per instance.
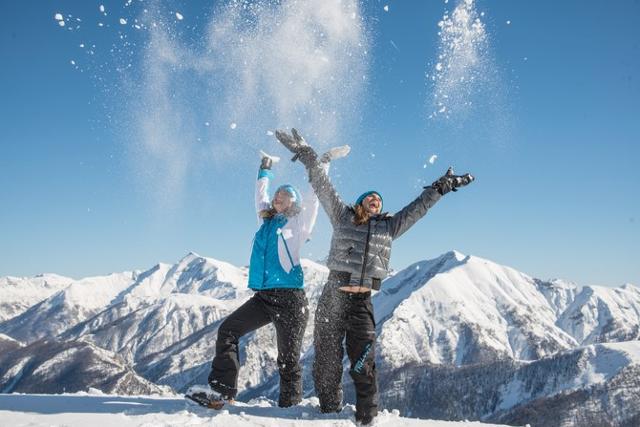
(462, 59)
(277, 64)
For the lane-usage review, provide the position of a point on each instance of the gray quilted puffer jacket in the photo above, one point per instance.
(364, 250)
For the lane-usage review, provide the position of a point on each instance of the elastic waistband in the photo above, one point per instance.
(343, 278)
(279, 290)
(355, 295)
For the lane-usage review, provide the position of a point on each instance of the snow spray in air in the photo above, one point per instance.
(463, 65)
(258, 65)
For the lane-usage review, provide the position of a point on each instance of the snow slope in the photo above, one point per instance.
(461, 310)
(106, 410)
(468, 324)
(166, 305)
(596, 384)
(76, 302)
(188, 361)
(20, 293)
(599, 314)
(50, 366)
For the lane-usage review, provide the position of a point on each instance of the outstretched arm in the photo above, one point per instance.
(322, 186)
(410, 214)
(415, 210)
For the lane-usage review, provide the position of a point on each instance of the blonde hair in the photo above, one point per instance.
(268, 213)
(362, 215)
(271, 212)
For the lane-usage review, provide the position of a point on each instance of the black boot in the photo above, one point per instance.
(364, 420)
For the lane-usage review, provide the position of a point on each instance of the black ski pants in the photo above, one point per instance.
(345, 317)
(288, 310)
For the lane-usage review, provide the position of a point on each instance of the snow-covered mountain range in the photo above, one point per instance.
(459, 337)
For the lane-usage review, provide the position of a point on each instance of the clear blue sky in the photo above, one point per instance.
(555, 149)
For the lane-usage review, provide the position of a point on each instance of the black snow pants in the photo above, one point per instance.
(288, 310)
(344, 316)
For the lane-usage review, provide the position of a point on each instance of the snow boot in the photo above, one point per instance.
(364, 420)
(208, 398)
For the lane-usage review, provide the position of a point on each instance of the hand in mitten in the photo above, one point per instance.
(298, 146)
(335, 153)
(450, 182)
(267, 160)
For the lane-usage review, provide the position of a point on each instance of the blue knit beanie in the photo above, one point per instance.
(365, 194)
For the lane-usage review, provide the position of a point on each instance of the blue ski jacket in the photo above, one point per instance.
(275, 255)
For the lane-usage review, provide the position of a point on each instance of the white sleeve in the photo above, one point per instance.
(310, 205)
(262, 192)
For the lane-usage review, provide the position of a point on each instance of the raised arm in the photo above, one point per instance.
(322, 186)
(410, 214)
(263, 201)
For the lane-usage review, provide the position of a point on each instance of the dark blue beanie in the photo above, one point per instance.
(365, 194)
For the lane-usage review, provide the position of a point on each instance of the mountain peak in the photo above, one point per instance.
(189, 257)
(455, 254)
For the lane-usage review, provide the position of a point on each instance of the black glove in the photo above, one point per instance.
(298, 146)
(450, 182)
(266, 163)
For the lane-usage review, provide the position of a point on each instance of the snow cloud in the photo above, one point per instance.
(258, 65)
(463, 61)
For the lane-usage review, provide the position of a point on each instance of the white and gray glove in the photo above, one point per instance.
(335, 153)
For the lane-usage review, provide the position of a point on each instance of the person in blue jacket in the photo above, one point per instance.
(276, 276)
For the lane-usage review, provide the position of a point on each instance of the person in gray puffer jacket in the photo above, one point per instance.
(358, 262)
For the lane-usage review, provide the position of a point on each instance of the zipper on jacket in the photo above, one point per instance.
(366, 253)
(287, 249)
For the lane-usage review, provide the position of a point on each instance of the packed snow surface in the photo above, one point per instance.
(95, 408)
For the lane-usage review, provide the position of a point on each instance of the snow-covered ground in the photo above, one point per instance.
(98, 409)
(459, 337)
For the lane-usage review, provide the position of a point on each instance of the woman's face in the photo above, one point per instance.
(282, 201)
(372, 203)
